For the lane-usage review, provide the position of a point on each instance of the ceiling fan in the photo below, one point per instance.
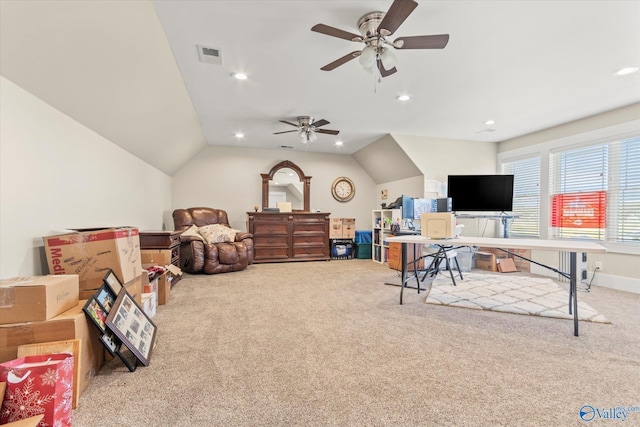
(375, 27)
(307, 128)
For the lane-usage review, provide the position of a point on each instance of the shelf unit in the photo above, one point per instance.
(381, 220)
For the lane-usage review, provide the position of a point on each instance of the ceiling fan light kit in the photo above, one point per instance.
(374, 28)
(308, 128)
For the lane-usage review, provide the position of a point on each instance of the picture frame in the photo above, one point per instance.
(95, 312)
(128, 321)
(112, 281)
(111, 342)
(128, 358)
(106, 298)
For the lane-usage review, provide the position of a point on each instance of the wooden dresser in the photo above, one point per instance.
(286, 237)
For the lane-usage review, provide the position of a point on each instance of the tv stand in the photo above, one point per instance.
(504, 217)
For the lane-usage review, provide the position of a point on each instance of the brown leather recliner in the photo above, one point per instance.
(197, 256)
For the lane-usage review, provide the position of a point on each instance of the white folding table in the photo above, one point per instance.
(571, 246)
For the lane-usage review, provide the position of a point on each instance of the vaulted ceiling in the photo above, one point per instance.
(130, 70)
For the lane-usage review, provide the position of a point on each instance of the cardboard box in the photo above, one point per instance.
(151, 286)
(90, 253)
(164, 288)
(37, 298)
(335, 228)
(506, 265)
(72, 324)
(486, 261)
(151, 257)
(134, 287)
(150, 303)
(348, 228)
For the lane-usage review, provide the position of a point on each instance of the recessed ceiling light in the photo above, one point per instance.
(240, 76)
(239, 135)
(403, 97)
(626, 71)
(339, 143)
(490, 122)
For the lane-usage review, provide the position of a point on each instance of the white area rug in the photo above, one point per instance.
(537, 296)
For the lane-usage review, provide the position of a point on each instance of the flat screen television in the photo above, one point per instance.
(481, 193)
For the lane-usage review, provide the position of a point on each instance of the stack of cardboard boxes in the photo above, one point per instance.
(490, 259)
(40, 309)
(342, 231)
(44, 309)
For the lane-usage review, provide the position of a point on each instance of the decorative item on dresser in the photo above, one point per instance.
(165, 243)
(285, 237)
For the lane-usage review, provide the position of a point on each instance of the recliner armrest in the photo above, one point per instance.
(187, 239)
(243, 235)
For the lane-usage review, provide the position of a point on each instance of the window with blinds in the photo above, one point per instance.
(624, 189)
(595, 192)
(526, 195)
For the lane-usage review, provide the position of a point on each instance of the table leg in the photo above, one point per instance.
(403, 262)
(573, 290)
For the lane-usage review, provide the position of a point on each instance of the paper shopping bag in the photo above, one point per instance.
(38, 385)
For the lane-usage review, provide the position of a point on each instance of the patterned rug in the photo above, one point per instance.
(536, 296)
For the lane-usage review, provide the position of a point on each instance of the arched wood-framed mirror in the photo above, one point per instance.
(298, 191)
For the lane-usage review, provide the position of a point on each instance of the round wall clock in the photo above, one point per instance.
(343, 189)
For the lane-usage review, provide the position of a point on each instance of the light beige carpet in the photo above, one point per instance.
(536, 296)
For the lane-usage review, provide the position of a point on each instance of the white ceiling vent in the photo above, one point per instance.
(210, 55)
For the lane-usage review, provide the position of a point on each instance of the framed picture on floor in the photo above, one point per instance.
(112, 281)
(96, 313)
(105, 297)
(128, 321)
(111, 342)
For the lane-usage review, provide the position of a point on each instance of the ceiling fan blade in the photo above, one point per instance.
(329, 131)
(319, 123)
(398, 12)
(438, 41)
(289, 123)
(338, 62)
(286, 131)
(383, 71)
(336, 32)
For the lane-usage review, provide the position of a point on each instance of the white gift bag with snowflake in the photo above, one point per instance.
(38, 385)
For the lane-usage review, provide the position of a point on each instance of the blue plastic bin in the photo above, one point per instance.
(363, 244)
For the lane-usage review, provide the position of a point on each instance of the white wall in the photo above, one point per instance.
(437, 158)
(56, 174)
(229, 178)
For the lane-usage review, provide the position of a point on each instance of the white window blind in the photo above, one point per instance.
(526, 195)
(624, 190)
(595, 192)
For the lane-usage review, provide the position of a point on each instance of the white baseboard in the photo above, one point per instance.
(603, 280)
(620, 283)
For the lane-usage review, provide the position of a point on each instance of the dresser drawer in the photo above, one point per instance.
(272, 253)
(262, 228)
(305, 227)
(271, 240)
(308, 251)
(309, 239)
(311, 218)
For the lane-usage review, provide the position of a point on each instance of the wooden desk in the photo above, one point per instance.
(571, 246)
